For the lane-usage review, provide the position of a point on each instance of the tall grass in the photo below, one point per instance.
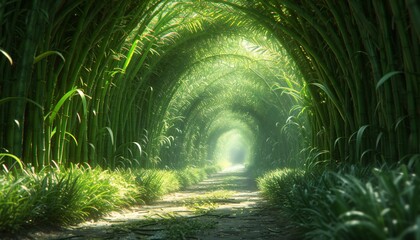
(156, 183)
(58, 197)
(353, 204)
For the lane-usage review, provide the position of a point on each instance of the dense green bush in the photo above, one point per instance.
(61, 197)
(190, 176)
(56, 196)
(276, 185)
(348, 205)
(15, 202)
(212, 169)
(155, 183)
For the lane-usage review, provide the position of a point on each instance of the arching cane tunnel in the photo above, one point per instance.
(171, 84)
(234, 85)
(151, 85)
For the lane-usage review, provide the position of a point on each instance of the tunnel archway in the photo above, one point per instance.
(121, 85)
(99, 97)
(244, 75)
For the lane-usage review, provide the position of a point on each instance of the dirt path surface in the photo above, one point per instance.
(225, 206)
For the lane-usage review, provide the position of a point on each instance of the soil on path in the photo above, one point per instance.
(227, 205)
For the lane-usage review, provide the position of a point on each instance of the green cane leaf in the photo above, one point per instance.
(53, 113)
(8, 99)
(48, 53)
(7, 56)
(18, 161)
(386, 77)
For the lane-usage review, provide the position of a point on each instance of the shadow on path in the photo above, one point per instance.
(227, 205)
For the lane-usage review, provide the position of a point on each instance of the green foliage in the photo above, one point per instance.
(15, 158)
(359, 67)
(48, 53)
(276, 185)
(156, 88)
(154, 184)
(5, 54)
(190, 176)
(132, 104)
(211, 169)
(58, 196)
(351, 204)
(57, 62)
(15, 201)
(61, 197)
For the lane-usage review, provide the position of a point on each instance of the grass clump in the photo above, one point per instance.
(155, 183)
(103, 191)
(348, 204)
(211, 169)
(276, 185)
(16, 203)
(60, 197)
(190, 176)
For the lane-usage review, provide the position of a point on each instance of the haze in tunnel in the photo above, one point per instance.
(227, 80)
(233, 148)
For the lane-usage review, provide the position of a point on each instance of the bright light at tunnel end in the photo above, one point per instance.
(234, 168)
(233, 150)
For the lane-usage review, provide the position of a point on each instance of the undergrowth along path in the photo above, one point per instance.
(227, 205)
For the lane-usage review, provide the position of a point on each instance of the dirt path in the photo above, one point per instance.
(225, 206)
